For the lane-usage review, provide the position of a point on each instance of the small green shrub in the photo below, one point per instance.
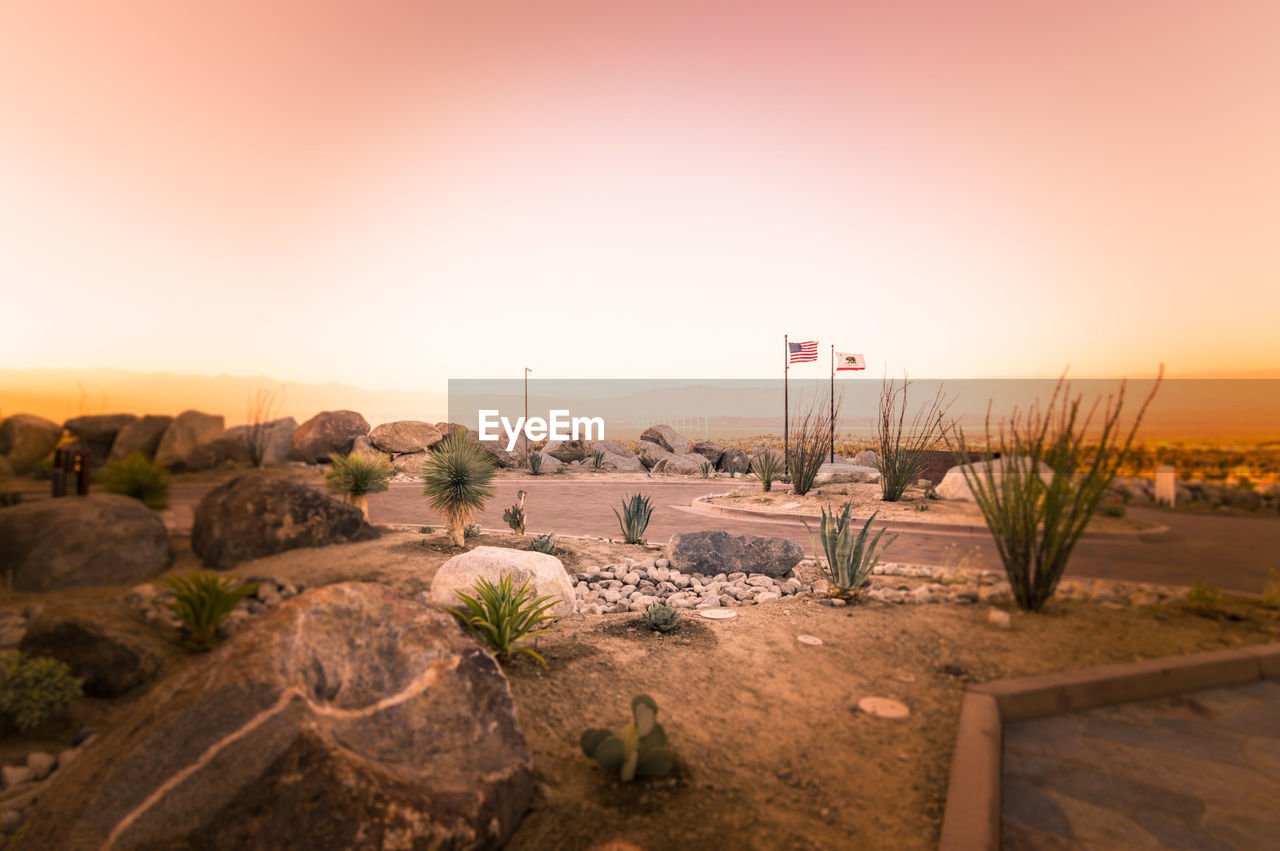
(10, 498)
(848, 560)
(661, 616)
(1204, 599)
(767, 468)
(457, 478)
(641, 750)
(544, 544)
(42, 470)
(202, 601)
(1271, 591)
(139, 478)
(33, 689)
(1112, 508)
(500, 615)
(426, 530)
(534, 463)
(705, 467)
(472, 530)
(597, 459)
(634, 519)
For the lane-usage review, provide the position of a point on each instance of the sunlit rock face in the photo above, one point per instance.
(348, 717)
(327, 431)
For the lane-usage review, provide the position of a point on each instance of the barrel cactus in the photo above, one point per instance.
(661, 616)
(641, 750)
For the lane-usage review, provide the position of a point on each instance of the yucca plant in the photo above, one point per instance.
(767, 468)
(202, 601)
(458, 479)
(634, 519)
(514, 516)
(140, 478)
(357, 475)
(500, 615)
(848, 560)
(534, 463)
(597, 459)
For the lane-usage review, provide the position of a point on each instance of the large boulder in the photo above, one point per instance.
(104, 644)
(409, 464)
(544, 573)
(735, 459)
(681, 465)
(25, 439)
(346, 718)
(103, 539)
(614, 461)
(253, 516)
(96, 433)
(187, 431)
(651, 453)
(954, 486)
(666, 437)
(837, 473)
(140, 436)
(274, 439)
(498, 452)
(327, 431)
(215, 454)
(613, 447)
(710, 450)
(405, 436)
(568, 451)
(867, 458)
(713, 552)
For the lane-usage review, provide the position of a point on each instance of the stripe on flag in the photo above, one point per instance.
(848, 360)
(803, 352)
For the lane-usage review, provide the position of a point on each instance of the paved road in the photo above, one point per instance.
(1233, 553)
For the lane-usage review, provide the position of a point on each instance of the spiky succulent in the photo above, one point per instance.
(661, 616)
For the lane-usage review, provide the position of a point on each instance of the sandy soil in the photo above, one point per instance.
(771, 753)
(913, 506)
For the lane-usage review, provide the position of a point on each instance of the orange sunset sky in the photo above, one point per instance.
(392, 194)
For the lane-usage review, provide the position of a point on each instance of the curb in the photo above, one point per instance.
(972, 819)
(699, 504)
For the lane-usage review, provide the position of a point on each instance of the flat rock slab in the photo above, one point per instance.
(811, 640)
(718, 614)
(883, 707)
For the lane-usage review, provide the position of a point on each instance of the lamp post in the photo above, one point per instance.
(527, 370)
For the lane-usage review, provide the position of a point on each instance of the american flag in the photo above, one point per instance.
(803, 352)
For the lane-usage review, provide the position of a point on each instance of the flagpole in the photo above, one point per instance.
(833, 404)
(786, 374)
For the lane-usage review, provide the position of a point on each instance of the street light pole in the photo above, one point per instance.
(527, 370)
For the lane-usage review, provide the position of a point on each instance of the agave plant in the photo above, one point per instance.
(500, 615)
(848, 559)
(661, 616)
(597, 459)
(357, 475)
(458, 479)
(202, 601)
(634, 519)
(767, 467)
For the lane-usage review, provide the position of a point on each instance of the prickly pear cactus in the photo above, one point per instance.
(641, 750)
(661, 616)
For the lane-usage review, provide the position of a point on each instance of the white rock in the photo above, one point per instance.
(954, 486)
(13, 775)
(544, 573)
(883, 707)
(999, 618)
(41, 764)
(767, 596)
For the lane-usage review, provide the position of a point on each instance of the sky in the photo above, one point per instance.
(394, 194)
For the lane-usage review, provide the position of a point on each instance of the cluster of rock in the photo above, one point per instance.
(23, 784)
(1141, 491)
(150, 602)
(632, 586)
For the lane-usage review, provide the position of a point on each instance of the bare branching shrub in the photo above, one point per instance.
(903, 447)
(810, 445)
(1038, 497)
(261, 410)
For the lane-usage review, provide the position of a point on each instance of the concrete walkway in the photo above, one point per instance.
(1201, 771)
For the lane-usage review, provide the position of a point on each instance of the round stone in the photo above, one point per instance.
(719, 614)
(883, 707)
(904, 677)
(811, 640)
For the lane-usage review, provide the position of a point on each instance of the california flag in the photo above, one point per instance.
(845, 360)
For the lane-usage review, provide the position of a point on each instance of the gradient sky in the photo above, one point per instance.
(392, 194)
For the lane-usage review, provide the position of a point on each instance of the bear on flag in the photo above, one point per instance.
(847, 360)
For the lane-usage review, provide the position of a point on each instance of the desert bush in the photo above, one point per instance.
(472, 530)
(661, 616)
(1203, 599)
(810, 445)
(1037, 524)
(32, 689)
(500, 615)
(846, 561)
(10, 498)
(641, 750)
(597, 459)
(42, 470)
(426, 530)
(767, 468)
(902, 448)
(514, 516)
(705, 468)
(458, 479)
(534, 463)
(634, 519)
(544, 544)
(357, 475)
(1113, 507)
(136, 477)
(262, 407)
(1271, 591)
(202, 601)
